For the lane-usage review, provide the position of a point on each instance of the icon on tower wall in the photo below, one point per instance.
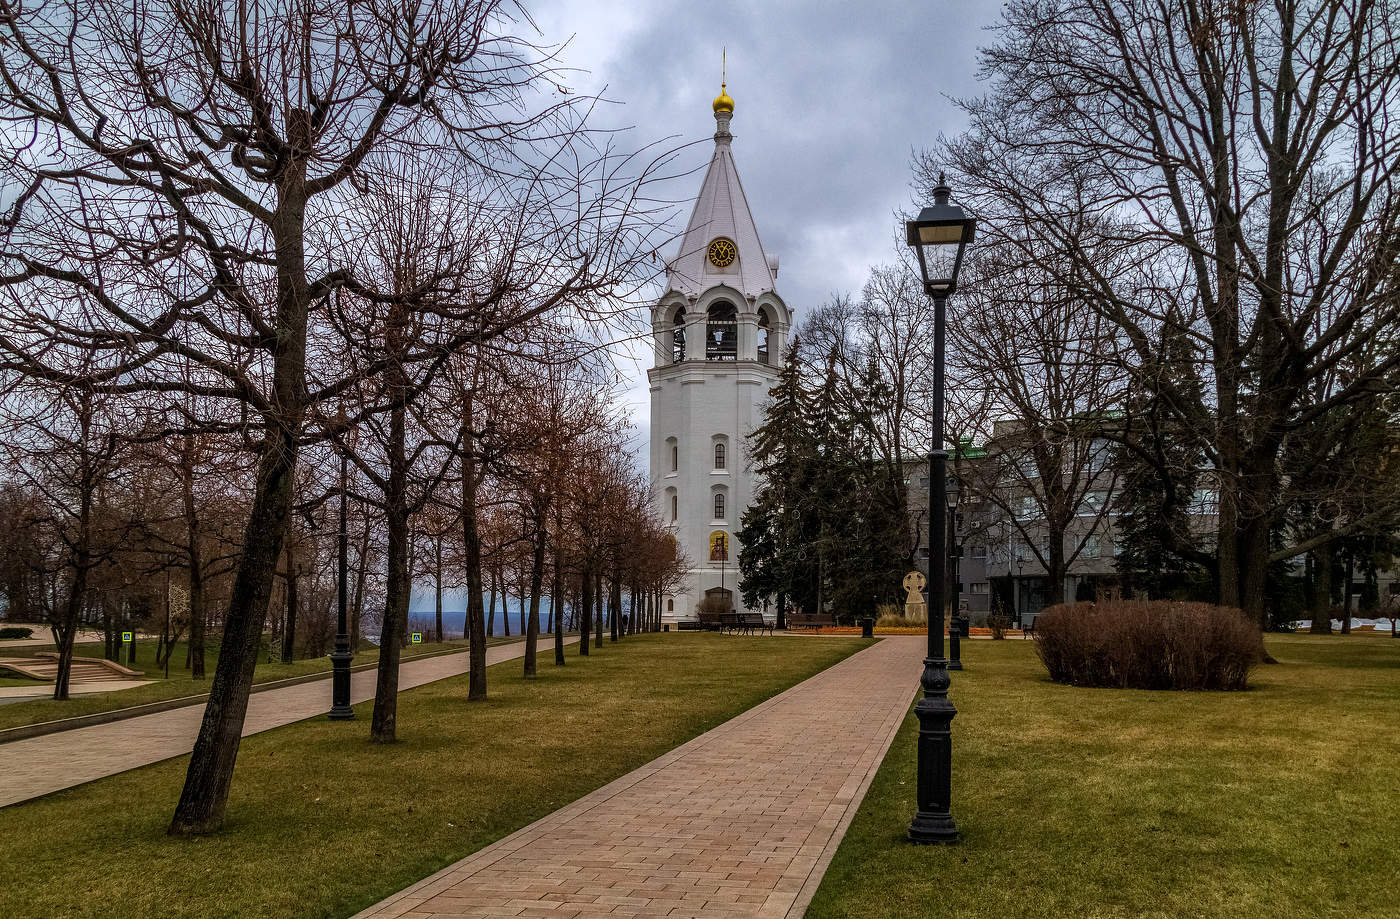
(719, 546)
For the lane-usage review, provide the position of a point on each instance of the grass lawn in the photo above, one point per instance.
(9, 679)
(180, 682)
(1280, 801)
(324, 823)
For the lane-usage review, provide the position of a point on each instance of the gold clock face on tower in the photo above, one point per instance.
(722, 252)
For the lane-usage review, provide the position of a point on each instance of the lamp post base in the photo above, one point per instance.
(933, 822)
(340, 686)
(932, 830)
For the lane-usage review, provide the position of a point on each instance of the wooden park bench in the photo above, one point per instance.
(711, 621)
(810, 620)
(746, 622)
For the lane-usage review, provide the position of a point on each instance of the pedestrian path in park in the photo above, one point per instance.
(40, 765)
(741, 821)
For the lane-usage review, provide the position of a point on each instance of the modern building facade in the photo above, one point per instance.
(720, 329)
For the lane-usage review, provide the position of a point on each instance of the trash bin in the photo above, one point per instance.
(867, 628)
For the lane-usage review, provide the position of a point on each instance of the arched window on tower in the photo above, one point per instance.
(719, 456)
(678, 337)
(719, 505)
(765, 328)
(675, 508)
(721, 332)
(675, 457)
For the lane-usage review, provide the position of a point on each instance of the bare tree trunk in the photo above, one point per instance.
(361, 573)
(205, 794)
(585, 611)
(383, 725)
(1321, 563)
(505, 602)
(598, 613)
(196, 562)
(437, 584)
(475, 628)
(289, 633)
(615, 608)
(532, 624)
(556, 594)
(1346, 593)
(66, 631)
(491, 605)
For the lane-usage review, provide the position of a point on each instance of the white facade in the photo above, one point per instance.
(720, 330)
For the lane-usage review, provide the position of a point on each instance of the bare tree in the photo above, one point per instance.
(1239, 161)
(1037, 378)
(67, 448)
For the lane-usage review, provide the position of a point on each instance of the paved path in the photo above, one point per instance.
(40, 765)
(741, 821)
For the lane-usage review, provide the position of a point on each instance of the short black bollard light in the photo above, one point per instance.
(954, 648)
(867, 628)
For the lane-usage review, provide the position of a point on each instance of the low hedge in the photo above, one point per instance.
(1148, 645)
(14, 631)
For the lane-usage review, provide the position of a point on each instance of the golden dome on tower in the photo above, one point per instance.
(722, 102)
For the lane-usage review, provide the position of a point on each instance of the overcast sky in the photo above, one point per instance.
(831, 99)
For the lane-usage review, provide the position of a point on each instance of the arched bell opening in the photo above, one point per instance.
(721, 332)
(678, 336)
(765, 331)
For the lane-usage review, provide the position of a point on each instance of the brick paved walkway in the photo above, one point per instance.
(741, 821)
(40, 765)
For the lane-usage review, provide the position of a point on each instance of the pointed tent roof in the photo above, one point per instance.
(721, 210)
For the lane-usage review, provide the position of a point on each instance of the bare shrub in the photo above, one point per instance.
(713, 605)
(998, 623)
(1157, 645)
(892, 621)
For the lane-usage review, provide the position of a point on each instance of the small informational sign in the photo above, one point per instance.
(417, 638)
(126, 636)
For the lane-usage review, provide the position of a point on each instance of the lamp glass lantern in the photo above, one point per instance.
(951, 492)
(940, 235)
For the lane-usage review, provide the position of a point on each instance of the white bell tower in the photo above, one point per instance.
(720, 331)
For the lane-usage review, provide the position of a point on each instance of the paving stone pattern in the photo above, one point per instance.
(741, 821)
(39, 765)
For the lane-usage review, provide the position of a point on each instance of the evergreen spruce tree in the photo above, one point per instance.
(1159, 465)
(774, 559)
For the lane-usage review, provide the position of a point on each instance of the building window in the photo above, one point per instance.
(979, 587)
(719, 456)
(675, 508)
(1093, 503)
(719, 505)
(675, 458)
(764, 330)
(1091, 547)
(979, 551)
(670, 604)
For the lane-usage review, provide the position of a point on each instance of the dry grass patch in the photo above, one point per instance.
(324, 823)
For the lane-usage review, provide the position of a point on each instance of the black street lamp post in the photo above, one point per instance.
(1020, 578)
(342, 655)
(939, 237)
(955, 571)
